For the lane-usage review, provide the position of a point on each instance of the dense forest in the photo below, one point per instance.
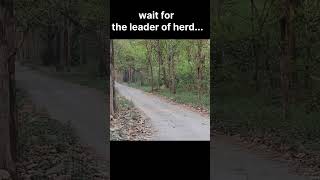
(266, 71)
(175, 68)
(66, 35)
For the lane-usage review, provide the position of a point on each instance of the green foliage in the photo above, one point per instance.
(130, 54)
(51, 12)
(133, 54)
(92, 13)
(64, 34)
(182, 96)
(246, 54)
(178, 69)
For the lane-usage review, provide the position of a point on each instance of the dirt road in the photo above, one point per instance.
(230, 160)
(84, 107)
(170, 122)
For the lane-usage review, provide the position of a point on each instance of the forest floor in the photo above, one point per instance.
(255, 118)
(85, 108)
(234, 160)
(169, 121)
(129, 123)
(49, 149)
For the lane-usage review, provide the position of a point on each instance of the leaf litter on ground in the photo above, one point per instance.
(49, 149)
(129, 123)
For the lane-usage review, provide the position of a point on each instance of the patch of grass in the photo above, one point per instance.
(188, 97)
(181, 96)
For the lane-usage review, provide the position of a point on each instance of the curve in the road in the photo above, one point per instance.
(170, 122)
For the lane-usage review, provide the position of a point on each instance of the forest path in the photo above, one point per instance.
(84, 107)
(170, 122)
(230, 160)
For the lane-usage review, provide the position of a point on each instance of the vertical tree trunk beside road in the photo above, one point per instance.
(149, 61)
(7, 126)
(112, 78)
(285, 26)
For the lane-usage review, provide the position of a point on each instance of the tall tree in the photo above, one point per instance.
(149, 60)
(172, 48)
(66, 39)
(7, 45)
(112, 80)
(159, 52)
(200, 58)
(253, 46)
(285, 28)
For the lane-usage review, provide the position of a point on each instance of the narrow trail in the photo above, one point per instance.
(170, 122)
(84, 107)
(230, 160)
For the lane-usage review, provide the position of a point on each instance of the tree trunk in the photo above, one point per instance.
(169, 73)
(102, 63)
(173, 73)
(112, 81)
(83, 56)
(66, 44)
(7, 129)
(285, 56)
(199, 79)
(58, 49)
(171, 64)
(62, 50)
(151, 71)
(149, 48)
(160, 62)
(28, 46)
(164, 74)
(174, 86)
(292, 46)
(268, 63)
(130, 74)
(48, 58)
(254, 48)
(13, 108)
(307, 73)
(200, 60)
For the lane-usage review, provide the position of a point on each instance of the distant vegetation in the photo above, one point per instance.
(178, 69)
(266, 69)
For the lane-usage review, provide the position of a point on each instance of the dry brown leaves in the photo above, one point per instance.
(129, 124)
(301, 160)
(48, 150)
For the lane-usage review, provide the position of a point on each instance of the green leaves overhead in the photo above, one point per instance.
(42, 13)
(183, 53)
